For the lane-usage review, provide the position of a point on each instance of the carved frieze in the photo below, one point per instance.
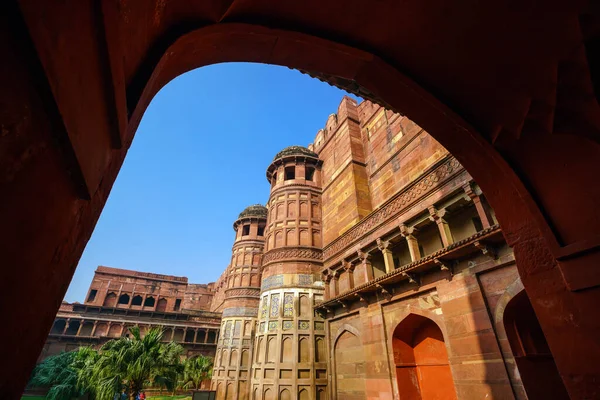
(394, 207)
(300, 253)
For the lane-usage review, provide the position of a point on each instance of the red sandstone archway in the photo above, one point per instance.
(532, 355)
(528, 91)
(422, 369)
(349, 365)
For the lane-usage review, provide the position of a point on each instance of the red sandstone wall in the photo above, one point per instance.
(160, 287)
(368, 155)
(398, 150)
(346, 197)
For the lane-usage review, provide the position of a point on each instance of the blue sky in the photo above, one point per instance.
(198, 159)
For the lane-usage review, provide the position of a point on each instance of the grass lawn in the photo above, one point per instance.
(177, 397)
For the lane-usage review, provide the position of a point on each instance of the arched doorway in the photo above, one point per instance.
(534, 360)
(349, 367)
(422, 369)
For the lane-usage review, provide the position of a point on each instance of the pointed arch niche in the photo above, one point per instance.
(349, 375)
(422, 369)
(533, 358)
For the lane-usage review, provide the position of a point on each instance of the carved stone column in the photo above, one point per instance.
(437, 216)
(66, 326)
(364, 270)
(388, 257)
(327, 281)
(80, 326)
(483, 210)
(413, 244)
(94, 328)
(349, 268)
(333, 286)
(195, 334)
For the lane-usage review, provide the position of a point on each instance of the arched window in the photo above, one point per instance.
(59, 326)
(136, 301)
(149, 302)
(124, 299)
(110, 300)
(161, 305)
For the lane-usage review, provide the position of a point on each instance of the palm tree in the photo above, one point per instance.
(196, 370)
(130, 363)
(60, 373)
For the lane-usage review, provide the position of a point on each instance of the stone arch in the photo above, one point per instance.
(220, 390)
(285, 395)
(110, 300)
(278, 239)
(345, 327)
(224, 358)
(123, 299)
(167, 60)
(321, 394)
(137, 300)
(245, 359)
(303, 394)
(233, 358)
(254, 280)
(290, 239)
(349, 365)
(149, 302)
(255, 395)
(245, 280)
(230, 391)
(303, 209)
(161, 305)
(59, 326)
(86, 329)
(101, 329)
(421, 359)
(279, 213)
(320, 352)
(287, 352)
(268, 394)
(72, 328)
(291, 209)
(534, 361)
(397, 318)
(316, 238)
(114, 330)
(236, 280)
(304, 238)
(271, 349)
(511, 291)
(260, 349)
(303, 350)
(304, 305)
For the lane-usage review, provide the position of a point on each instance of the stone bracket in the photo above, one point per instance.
(383, 290)
(486, 249)
(414, 279)
(445, 265)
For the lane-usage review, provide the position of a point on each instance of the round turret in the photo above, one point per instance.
(295, 151)
(255, 210)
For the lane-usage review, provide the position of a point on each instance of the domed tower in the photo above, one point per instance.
(231, 376)
(290, 342)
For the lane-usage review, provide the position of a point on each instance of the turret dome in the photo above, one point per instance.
(295, 151)
(255, 210)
